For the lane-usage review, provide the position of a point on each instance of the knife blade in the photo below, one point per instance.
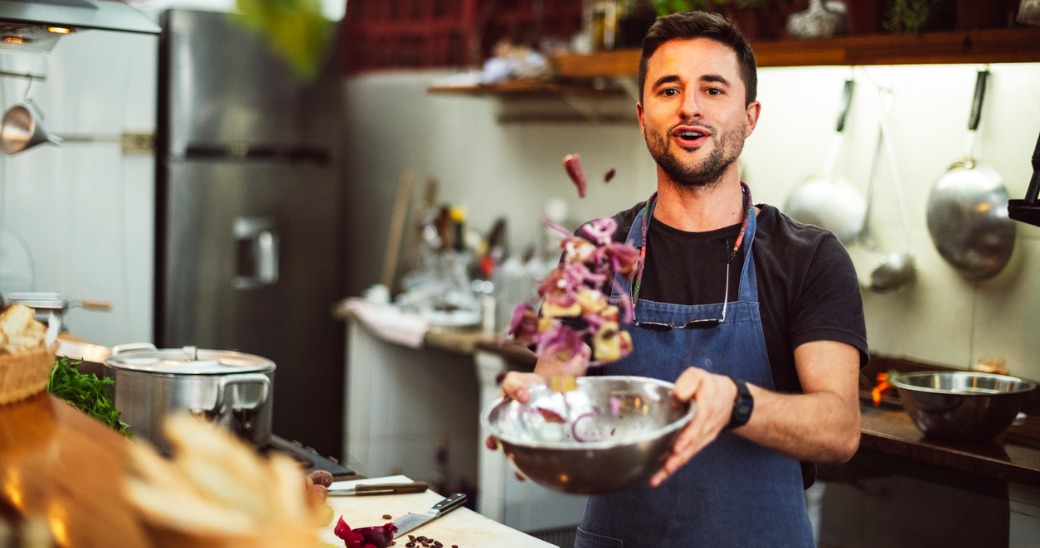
(412, 520)
(379, 489)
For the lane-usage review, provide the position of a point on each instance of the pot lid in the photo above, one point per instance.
(189, 360)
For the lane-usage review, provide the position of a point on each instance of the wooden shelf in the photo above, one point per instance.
(572, 71)
(1015, 45)
(528, 88)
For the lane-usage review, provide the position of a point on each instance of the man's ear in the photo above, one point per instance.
(753, 111)
(639, 113)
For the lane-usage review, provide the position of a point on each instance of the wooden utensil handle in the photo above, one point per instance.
(95, 304)
(386, 488)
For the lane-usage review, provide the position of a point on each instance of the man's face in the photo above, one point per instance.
(693, 115)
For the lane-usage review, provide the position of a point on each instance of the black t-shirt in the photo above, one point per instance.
(807, 285)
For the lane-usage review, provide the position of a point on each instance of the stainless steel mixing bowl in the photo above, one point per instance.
(608, 434)
(961, 405)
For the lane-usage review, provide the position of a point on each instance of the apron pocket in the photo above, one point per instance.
(585, 539)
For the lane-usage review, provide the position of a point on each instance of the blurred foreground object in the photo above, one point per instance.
(296, 29)
(217, 491)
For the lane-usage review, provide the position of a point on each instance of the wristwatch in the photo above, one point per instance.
(742, 405)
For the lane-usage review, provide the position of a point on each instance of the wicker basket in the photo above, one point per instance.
(26, 373)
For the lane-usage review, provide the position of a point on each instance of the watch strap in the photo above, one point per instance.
(743, 404)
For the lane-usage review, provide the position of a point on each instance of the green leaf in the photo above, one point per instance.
(86, 392)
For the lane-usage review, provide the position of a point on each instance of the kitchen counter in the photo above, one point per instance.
(1007, 468)
(65, 469)
(462, 527)
(1013, 456)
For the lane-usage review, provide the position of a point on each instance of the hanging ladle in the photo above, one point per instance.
(21, 129)
(888, 271)
(898, 268)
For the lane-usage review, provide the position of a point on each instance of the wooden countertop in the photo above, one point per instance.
(61, 465)
(65, 469)
(1014, 456)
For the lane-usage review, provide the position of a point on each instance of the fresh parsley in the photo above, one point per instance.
(86, 392)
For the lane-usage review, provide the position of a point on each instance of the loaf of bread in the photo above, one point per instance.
(19, 330)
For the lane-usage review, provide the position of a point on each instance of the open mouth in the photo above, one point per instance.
(690, 137)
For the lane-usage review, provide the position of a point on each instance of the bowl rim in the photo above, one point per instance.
(681, 422)
(895, 380)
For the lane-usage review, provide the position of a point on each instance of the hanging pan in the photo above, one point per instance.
(828, 201)
(967, 209)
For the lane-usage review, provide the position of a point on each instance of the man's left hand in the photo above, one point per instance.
(714, 396)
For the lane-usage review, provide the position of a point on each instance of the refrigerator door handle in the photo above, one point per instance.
(257, 252)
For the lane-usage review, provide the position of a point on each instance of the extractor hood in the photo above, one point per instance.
(36, 25)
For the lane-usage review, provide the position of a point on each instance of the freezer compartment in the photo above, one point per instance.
(229, 94)
(250, 260)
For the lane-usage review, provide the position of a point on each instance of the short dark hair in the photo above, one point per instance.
(701, 24)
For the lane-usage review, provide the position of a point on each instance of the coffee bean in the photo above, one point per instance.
(387, 516)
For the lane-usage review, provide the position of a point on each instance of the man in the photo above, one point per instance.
(773, 365)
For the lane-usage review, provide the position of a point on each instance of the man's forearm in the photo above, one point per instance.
(820, 427)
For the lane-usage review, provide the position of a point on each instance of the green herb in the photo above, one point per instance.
(86, 392)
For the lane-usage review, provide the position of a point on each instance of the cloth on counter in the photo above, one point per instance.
(390, 322)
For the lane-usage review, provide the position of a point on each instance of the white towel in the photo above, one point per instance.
(389, 322)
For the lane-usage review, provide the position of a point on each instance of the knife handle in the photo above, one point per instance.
(388, 488)
(447, 505)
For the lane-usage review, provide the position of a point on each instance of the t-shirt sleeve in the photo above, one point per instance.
(830, 304)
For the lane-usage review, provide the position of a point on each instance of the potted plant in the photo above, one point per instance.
(916, 16)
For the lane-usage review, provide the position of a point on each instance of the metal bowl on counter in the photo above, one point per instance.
(606, 435)
(961, 406)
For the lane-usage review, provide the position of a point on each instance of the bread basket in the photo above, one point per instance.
(26, 373)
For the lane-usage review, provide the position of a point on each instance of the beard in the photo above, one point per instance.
(690, 174)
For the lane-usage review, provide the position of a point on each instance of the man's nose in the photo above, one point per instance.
(689, 106)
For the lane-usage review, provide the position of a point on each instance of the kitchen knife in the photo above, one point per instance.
(379, 488)
(411, 520)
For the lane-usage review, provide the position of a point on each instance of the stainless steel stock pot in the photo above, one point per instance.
(231, 389)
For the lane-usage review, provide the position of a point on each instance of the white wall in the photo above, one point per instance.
(494, 169)
(85, 211)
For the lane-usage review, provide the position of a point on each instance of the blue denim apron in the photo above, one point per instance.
(734, 492)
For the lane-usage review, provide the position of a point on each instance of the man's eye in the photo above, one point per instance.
(714, 91)
(669, 92)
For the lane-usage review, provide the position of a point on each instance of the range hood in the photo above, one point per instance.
(28, 25)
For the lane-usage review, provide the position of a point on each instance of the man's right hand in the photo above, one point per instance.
(517, 386)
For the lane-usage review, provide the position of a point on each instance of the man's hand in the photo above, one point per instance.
(517, 386)
(714, 396)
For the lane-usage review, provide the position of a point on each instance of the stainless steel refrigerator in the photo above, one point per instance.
(249, 251)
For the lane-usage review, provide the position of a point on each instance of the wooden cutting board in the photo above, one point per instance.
(462, 526)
